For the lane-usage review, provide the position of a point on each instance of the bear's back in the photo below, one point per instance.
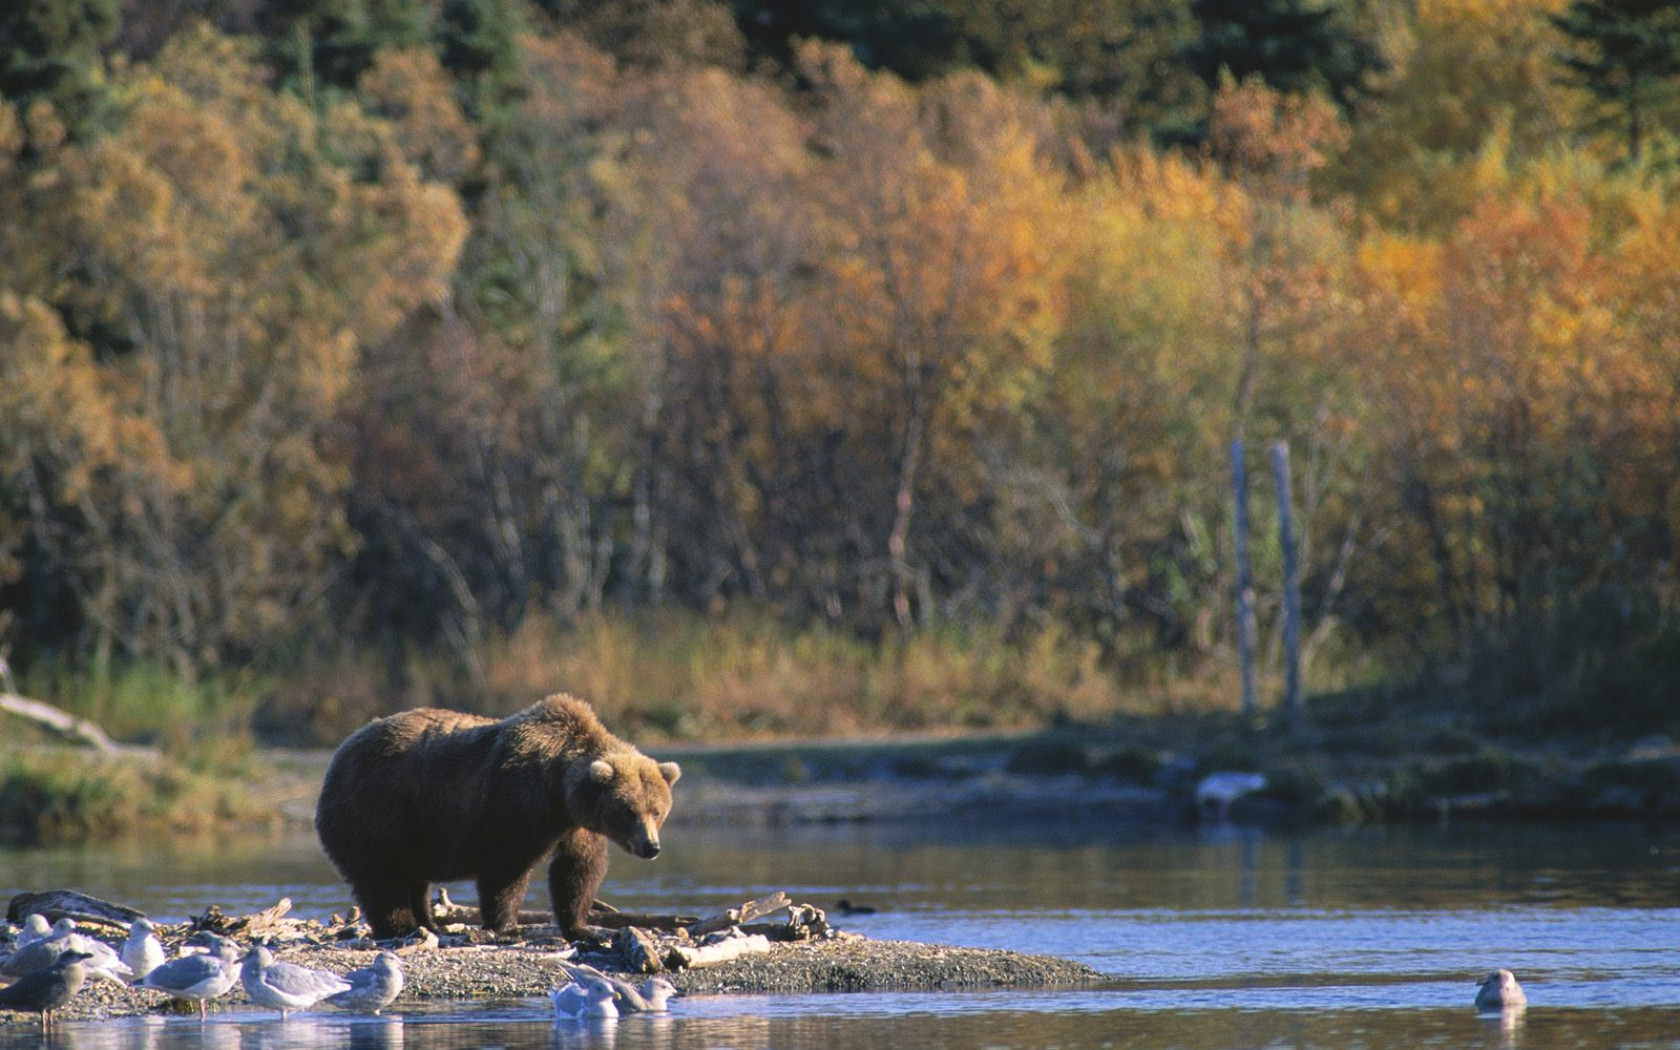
(426, 765)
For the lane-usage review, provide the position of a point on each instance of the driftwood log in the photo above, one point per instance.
(270, 920)
(693, 957)
(747, 912)
(601, 914)
(68, 904)
(59, 723)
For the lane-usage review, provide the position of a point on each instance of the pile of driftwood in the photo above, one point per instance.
(641, 943)
(619, 941)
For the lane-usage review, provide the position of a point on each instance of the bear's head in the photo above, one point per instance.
(626, 796)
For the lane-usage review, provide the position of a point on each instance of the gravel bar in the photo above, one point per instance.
(506, 972)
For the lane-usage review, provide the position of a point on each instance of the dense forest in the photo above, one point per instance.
(356, 353)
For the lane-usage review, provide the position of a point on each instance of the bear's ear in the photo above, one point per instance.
(670, 771)
(601, 771)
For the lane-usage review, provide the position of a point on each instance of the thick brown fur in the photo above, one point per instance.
(430, 796)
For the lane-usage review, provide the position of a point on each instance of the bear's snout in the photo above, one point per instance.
(643, 842)
(644, 846)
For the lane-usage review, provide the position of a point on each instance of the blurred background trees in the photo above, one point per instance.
(389, 349)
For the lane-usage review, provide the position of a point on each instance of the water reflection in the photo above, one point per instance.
(810, 1028)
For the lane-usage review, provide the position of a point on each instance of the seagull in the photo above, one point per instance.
(1217, 792)
(142, 952)
(651, 997)
(35, 928)
(45, 990)
(573, 1001)
(286, 986)
(1500, 991)
(372, 988)
(198, 977)
(43, 952)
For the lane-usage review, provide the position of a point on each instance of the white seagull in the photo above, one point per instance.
(286, 986)
(142, 952)
(651, 997)
(371, 988)
(102, 959)
(198, 978)
(573, 1001)
(1500, 991)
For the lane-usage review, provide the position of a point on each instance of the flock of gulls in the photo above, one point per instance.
(48, 965)
(52, 963)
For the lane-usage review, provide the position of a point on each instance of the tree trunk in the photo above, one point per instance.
(1245, 582)
(1291, 586)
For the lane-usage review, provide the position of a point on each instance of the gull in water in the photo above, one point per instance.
(1218, 792)
(286, 986)
(1500, 991)
(102, 959)
(573, 1001)
(45, 990)
(650, 997)
(142, 952)
(371, 988)
(198, 978)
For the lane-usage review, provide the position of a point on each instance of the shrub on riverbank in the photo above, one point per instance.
(52, 795)
(682, 677)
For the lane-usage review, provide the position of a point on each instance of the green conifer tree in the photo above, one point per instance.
(1626, 55)
(50, 48)
(1295, 46)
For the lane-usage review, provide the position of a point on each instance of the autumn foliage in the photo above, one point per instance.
(309, 366)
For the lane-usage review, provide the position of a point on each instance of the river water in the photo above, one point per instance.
(1217, 938)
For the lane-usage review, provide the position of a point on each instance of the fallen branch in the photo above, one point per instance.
(68, 904)
(254, 925)
(446, 910)
(745, 913)
(693, 957)
(60, 723)
(601, 914)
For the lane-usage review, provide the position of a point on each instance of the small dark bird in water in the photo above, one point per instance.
(846, 907)
(45, 990)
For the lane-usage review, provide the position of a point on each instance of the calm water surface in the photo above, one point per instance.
(1225, 938)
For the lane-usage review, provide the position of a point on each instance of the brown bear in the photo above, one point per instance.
(430, 796)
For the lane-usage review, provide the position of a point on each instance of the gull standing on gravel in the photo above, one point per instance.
(198, 978)
(45, 990)
(142, 952)
(35, 928)
(286, 986)
(102, 959)
(371, 988)
(1500, 991)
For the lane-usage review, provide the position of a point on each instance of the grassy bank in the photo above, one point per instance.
(55, 795)
(676, 677)
(1588, 738)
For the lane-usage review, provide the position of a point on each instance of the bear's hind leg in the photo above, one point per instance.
(389, 910)
(499, 897)
(420, 903)
(575, 876)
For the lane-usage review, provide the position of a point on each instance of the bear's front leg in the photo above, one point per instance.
(575, 876)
